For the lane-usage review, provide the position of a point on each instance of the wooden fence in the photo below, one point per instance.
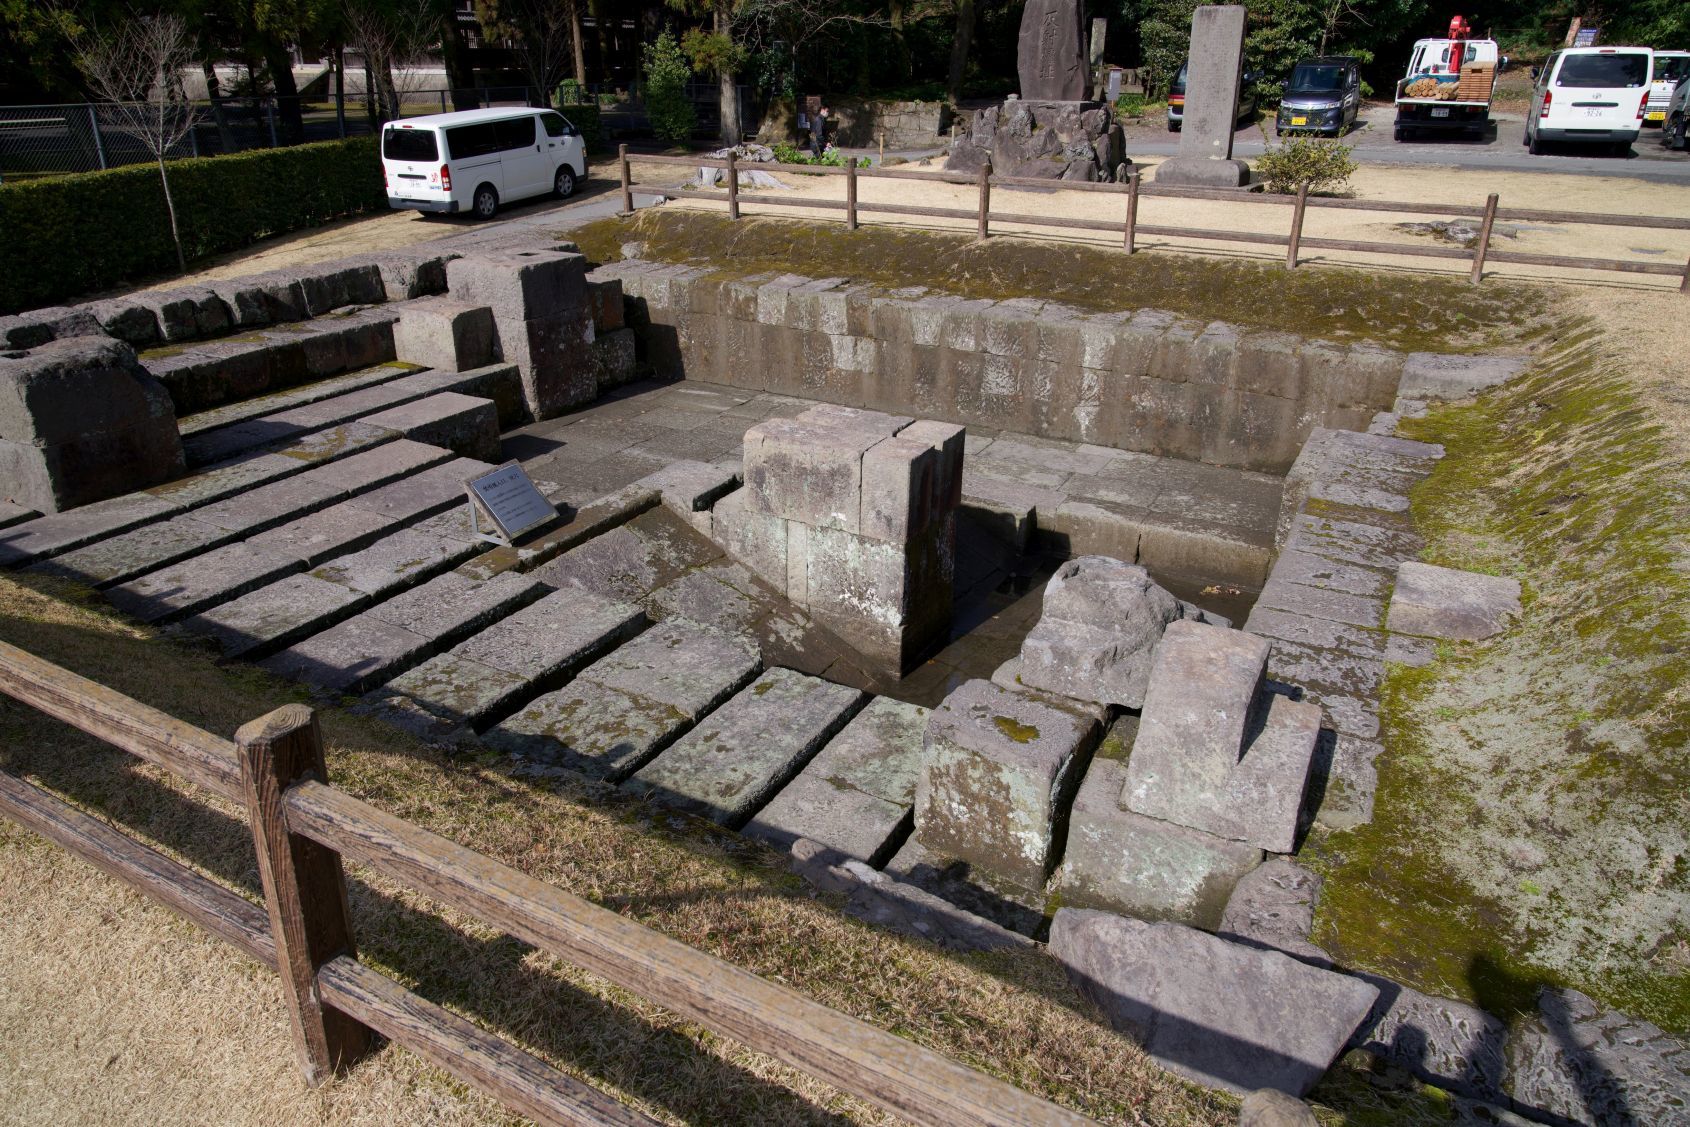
(1130, 228)
(302, 827)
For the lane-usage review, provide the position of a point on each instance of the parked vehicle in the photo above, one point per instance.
(1448, 86)
(1248, 100)
(1671, 69)
(1323, 95)
(1590, 95)
(1678, 119)
(475, 160)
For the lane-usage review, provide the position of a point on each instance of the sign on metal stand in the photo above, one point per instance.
(508, 499)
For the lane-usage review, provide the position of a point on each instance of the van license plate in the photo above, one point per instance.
(1658, 115)
(1299, 121)
(1594, 111)
(1441, 111)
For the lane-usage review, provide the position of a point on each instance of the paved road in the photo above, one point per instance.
(1374, 144)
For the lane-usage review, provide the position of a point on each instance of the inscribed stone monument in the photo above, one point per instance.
(1051, 56)
(1211, 103)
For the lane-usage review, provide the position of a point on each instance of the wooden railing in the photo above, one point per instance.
(302, 828)
(1130, 228)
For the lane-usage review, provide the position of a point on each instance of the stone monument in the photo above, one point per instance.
(1049, 131)
(1204, 159)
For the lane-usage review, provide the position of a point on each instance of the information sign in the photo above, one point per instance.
(509, 499)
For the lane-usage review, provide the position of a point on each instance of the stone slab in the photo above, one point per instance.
(453, 605)
(191, 586)
(1050, 54)
(393, 562)
(688, 667)
(998, 771)
(1125, 862)
(1449, 1044)
(1219, 1013)
(1437, 375)
(1273, 906)
(551, 639)
(464, 424)
(443, 333)
(321, 536)
(274, 615)
(136, 552)
(60, 532)
(353, 656)
(1441, 602)
(730, 764)
(1574, 1060)
(855, 796)
(1201, 702)
(424, 493)
(586, 727)
(447, 692)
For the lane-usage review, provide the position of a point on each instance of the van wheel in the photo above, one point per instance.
(1533, 145)
(1173, 127)
(1678, 129)
(564, 186)
(486, 202)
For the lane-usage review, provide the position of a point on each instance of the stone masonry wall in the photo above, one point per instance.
(1148, 381)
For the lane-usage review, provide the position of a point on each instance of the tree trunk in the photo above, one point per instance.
(340, 87)
(460, 72)
(214, 91)
(601, 35)
(370, 110)
(170, 207)
(727, 88)
(900, 41)
(959, 49)
(289, 119)
(575, 41)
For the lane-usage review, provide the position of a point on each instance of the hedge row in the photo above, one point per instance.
(585, 116)
(65, 237)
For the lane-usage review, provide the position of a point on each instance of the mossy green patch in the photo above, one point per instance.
(1531, 824)
(1408, 312)
(1015, 730)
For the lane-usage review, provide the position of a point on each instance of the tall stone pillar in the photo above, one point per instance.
(1211, 103)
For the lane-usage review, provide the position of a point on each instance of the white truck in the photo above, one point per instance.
(1448, 86)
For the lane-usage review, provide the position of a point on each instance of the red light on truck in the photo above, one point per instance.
(1544, 112)
(445, 178)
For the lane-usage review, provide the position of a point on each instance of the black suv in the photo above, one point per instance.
(1247, 97)
(1323, 95)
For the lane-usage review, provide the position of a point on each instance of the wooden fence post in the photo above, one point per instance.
(1130, 236)
(985, 196)
(304, 887)
(1296, 226)
(733, 186)
(1684, 286)
(850, 193)
(627, 181)
(1483, 247)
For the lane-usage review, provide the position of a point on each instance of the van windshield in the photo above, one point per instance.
(409, 144)
(1671, 68)
(1311, 78)
(1588, 72)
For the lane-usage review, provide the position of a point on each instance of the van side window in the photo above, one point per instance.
(516, 133)
(555, 125)
(476, 140)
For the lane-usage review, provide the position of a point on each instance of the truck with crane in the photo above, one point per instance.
(1448, 86)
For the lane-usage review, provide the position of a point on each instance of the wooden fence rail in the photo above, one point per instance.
(303, 827)
(1133, 190)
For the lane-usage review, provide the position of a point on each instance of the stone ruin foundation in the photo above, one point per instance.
(751, 579)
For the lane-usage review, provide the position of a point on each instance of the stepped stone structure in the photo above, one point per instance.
(853, 515)
(542, 317)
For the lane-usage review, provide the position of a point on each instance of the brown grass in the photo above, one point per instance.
(112, 1010)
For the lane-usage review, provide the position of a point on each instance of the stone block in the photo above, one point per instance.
(1449, 1044)
(550, 640)
(597, 731)
(82, 421)
(1575, 1061)
(1088, 528)
(1200, 705)
(1125, 862)
(1441, 602)
(464, 424)
(855, 796)
(140, 550)
(274, 615)
(900, 485)
(441, 333)
(1097, 633)
(1218, 1013)
(1437, 375)
(23, 331)
(604, 297)
(352, 657)
(332, 286)
(614, 358)
(521, 285)
(191, 586)
(554, 355)
(681, 664)
(422, 494)
(323, 535)
(741, 754)
(407, 274)
(186, 314)
(393, 562)
(445, 693)
(949, 442)
(1274, 907)
(689, 487)
(61, 532)
(125, 319)
(998, 771)
(807, 471)
(1267, 1108)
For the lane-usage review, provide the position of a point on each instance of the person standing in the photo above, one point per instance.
(818, 131)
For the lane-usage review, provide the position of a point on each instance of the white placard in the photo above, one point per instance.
(509, 498)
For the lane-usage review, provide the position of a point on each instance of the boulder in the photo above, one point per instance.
(1219, 1013)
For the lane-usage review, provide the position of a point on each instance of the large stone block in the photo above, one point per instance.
(1441, 602)
(808, 470)
(331, 286)
(186, 314)
(1274, 907)
(1575, 1061)
(125, 319)
(523, 285)
(464, 424)
(81, 421)
(1097, 635)
(1201, 703)
(1449, 1044)
(1211, 102)
(1219, 1013)
(407, 274)
(998, 771)
(1126, 862)
(438, 332)
(900, 481)
(554, 355)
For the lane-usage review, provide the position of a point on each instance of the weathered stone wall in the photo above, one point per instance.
(1148, 381)
(859, 123)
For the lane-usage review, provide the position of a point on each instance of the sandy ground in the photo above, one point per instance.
(1419, 186)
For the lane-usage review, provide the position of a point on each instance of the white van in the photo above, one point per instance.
(1590, 95)
(474, 160)
(1671, 69)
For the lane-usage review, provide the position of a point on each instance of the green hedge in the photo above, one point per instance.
(585, 115)
(75, 234)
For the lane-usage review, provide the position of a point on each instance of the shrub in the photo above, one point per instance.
(1324, 166)
(67, 236)
(1130, 105)
(570, 92)
(585, 117)
(666, 72)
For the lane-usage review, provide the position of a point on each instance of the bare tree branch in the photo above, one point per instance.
(396, 41)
